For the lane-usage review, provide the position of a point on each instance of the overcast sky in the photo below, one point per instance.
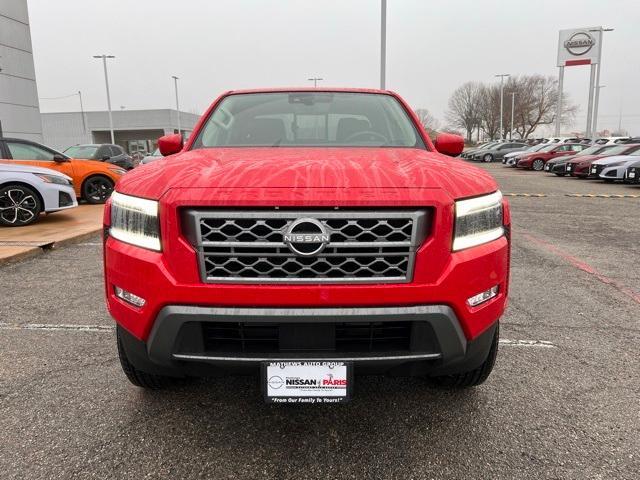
(216, 45)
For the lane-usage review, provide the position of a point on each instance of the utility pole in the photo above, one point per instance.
(84, 123)
(513, 102)
(106, 82)
(383, 43)
(175, 82)
(315, 81)
(502, 76)
(598, 86)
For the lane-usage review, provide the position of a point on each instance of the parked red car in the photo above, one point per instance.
(306, 235)
(581, 167)
(536, 160)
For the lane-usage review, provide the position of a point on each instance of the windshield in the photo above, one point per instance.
(310, 119)
(548, 148)
(537, 148)
(592, 150)
(81, 151)
(619, 150)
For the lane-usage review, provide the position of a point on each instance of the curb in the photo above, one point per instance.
(45, 246)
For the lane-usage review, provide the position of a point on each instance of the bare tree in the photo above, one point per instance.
(489, 111)
(428, 121)
(464, 107)
(535, 103)
(475, 105)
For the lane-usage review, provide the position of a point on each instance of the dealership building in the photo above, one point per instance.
(19, 107)
(134, 130)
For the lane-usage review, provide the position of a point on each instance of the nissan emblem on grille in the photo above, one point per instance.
(308, 246)
(306, 237)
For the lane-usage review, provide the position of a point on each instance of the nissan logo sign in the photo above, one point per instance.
(579, 43)
(306, 237)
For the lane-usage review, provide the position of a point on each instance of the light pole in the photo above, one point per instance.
(84, 123)
(106, 82)
(598, 86)
(315, 81)
(513, 103)
(383, 43)
(175, 82)
(502, 75)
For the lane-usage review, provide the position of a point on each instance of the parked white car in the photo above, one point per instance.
(612, 168)
(27, 191)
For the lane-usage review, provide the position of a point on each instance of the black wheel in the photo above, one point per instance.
(488, 158)
(473, 377)
(538, 165)
(19, 206)
(138, 377)
(97, 189)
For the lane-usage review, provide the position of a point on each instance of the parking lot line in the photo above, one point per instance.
(584, 266)
(533, 195)
(600, 195)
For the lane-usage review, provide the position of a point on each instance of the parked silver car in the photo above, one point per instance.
(613, 168)
(497, 152)
(27, 191)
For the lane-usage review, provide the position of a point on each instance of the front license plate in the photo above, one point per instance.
(307, 381)
(568, 168)
(632, 174)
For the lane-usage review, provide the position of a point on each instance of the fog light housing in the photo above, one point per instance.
(482, 296)
(129, 297)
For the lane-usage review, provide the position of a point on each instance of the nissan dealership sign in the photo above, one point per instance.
(579, 46)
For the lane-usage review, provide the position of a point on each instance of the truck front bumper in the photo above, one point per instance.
(206, 341)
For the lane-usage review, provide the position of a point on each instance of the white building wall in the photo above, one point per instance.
(19, 107)
(63, 129)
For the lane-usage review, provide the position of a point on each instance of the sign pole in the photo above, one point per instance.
(592, 81)
(559, 107)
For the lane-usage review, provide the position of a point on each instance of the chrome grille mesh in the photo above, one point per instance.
(249, 247)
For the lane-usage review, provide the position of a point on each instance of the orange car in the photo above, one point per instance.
(93, 180)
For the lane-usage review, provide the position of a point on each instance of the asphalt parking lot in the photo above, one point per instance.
(562, 401)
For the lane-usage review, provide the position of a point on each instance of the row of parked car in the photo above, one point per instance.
(616, 159)
(35, 178)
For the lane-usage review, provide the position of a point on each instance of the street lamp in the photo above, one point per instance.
(502, 76)
(106, 82)
(383, 43)
(315, 81)
(513, 102)
(598, 86)
(175, 82)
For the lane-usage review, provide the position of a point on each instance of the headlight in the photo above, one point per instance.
(135, 220)
(478, 221)
(58, 180)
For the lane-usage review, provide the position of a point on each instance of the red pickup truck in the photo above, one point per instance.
(307, 235)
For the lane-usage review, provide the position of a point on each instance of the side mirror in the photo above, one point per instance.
(449, 144)
(170, 144)
(106, 158)
(57, 157)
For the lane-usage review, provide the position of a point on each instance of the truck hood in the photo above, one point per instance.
(308, 168)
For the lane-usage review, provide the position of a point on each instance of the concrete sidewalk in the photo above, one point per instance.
(49, 231)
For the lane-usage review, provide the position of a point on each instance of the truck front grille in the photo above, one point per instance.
(306, 246)
(262, 338)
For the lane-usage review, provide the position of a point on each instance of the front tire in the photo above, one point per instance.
(19, 206)
(97, 189)
(538, 165)
(139, 378)
(488, 158)
(473, 377)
